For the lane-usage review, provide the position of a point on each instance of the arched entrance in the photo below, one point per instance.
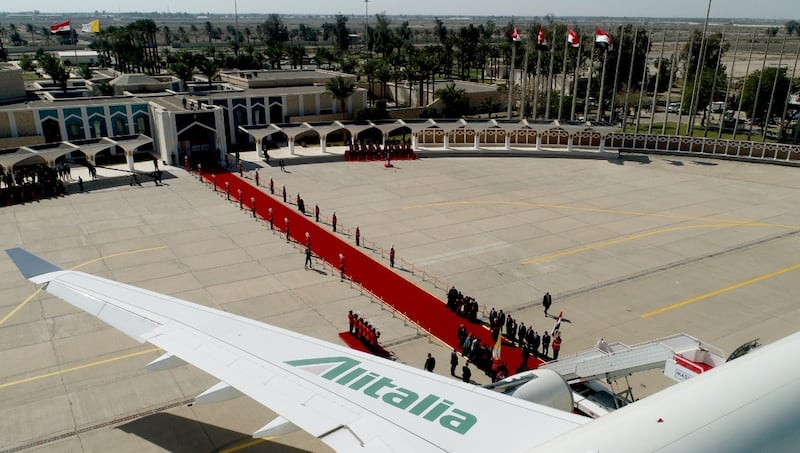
(199, 143)
(51, 130)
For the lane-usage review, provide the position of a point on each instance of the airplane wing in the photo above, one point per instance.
(350, 400)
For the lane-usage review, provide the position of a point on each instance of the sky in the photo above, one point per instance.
(765, 9)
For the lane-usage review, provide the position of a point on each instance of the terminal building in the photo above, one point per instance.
(165, 117)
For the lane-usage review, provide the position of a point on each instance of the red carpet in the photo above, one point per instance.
(421, 307)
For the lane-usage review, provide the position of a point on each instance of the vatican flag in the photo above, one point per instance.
(91, 27)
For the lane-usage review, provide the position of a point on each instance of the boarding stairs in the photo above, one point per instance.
(680, 357)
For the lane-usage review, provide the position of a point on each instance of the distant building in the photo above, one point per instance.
(76, 57)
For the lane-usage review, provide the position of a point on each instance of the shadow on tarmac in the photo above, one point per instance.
(182, 435)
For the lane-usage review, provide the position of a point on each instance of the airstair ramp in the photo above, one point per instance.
(681, 356)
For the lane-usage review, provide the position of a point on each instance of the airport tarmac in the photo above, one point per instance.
(630, 249)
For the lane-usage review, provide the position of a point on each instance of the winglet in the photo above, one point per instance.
(30, 265)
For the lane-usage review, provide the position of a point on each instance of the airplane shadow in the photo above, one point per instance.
(182, 435)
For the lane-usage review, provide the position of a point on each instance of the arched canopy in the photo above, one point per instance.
(259, 132)
(325, 129)
(418, 125)
(92, 147)
(50, 152)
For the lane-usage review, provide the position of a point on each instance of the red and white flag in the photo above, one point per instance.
(63, 27)
(603, 40)
(572, 38)
(557, 325)
(515, 35)
(541, 41)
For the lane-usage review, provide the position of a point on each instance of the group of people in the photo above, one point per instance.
(365, 332)
(372, 151)
(31, 182)
(464, 306)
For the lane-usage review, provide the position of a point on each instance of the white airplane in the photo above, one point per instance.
(354, 401)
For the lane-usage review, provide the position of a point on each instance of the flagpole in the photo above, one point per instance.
(575, 81)
(549, 79)
(741, 93)
(600, 107)
(728, 87)
(535, 80)
(642, 85)
(758, 88)
(511, 75)
(699, 71)
(786, 103)
(673, 62)
(589, 83)
(658, 79)
(563, 78)
(524, 96)
(630, 80)
(685, 80)
(616, 75)
(714, 88)
(774, 87)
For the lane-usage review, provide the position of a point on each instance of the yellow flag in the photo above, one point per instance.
(91, 27)
(497, 347)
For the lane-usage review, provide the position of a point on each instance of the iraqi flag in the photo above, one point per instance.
(61, 28)
(572, 38)
(541, 41)
(515, 35)
(603, 40)
(557, 325)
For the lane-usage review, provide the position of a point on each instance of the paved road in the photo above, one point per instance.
(630, 250)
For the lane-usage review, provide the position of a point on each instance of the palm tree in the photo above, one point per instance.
(340, 89)
(29, 29)
(383, 73)
(44, 31)
(208, 66)
(453, 99)
(368, 68)
(183, 67)
(182, 36)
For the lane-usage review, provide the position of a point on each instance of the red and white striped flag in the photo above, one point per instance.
(541, 41)
(557, 325)
(572, 38)
(515, 35)
(603, 40)
(63, 27)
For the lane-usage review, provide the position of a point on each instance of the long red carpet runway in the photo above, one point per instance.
(415, 303)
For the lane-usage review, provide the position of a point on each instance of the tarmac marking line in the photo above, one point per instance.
(79, 367)
(129, 252)
(600, 210)
(611, 242)
(38, 290)
(246, 445)
(720, 291)
(20, 305)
